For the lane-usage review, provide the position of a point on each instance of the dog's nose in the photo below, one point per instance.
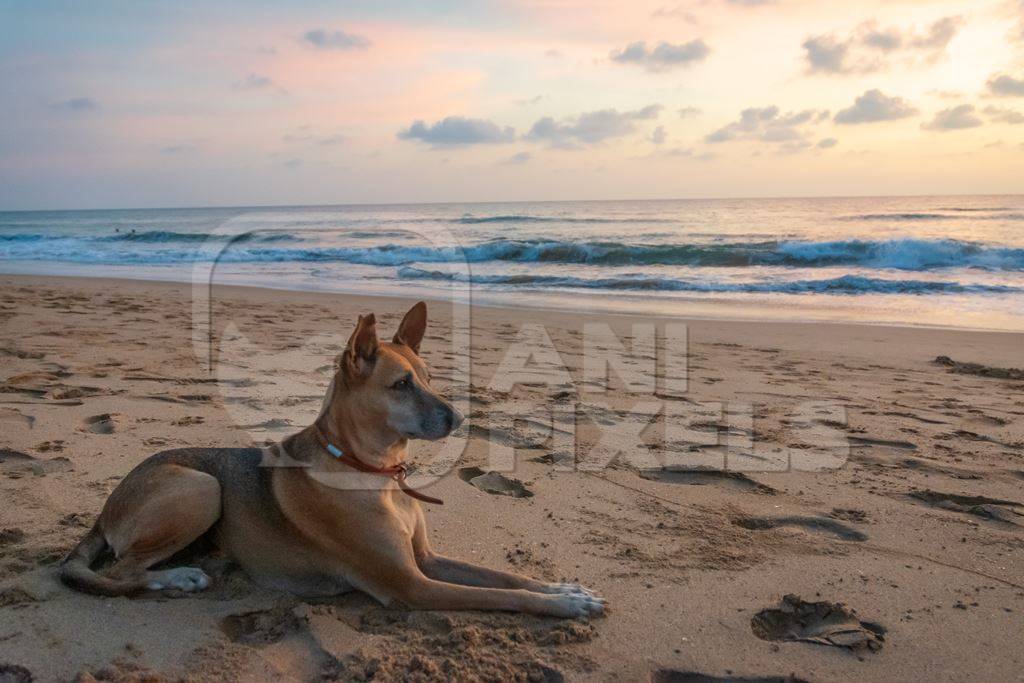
(454, 419)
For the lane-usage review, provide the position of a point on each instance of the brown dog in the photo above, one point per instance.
(288, 528)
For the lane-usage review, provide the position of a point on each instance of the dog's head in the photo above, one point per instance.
(387, 384)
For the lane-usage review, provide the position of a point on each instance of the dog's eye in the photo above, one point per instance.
(401, 384)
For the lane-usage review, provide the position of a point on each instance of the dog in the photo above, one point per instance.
(289, 528)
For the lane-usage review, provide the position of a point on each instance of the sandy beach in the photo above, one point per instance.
(914, 543)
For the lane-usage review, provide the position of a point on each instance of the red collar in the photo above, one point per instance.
(396, 472)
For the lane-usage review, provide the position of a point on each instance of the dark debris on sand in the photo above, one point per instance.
(979, 369)
(823, 623)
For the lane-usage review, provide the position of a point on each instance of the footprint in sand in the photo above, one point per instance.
(14, 673)
(992, 509)
(77, 520)
(559, 458)
(103, 423)
(15, 463)
(20, 353)
(817, 524)
(494, 483)
(849, 514)
(823, 623)
(10, 536)
(32, 382)
(11, 459)
(732, 480)
(12, 416)
(858, 441)
(262, 627)
(677, 676)
(64, 392)
(980, 418)
(273, 424)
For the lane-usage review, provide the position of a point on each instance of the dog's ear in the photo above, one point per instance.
(414, 324)
(362, 346)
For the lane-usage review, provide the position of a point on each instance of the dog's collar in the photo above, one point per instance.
(396, 472)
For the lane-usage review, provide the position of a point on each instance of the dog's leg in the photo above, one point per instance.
(421, 592)
(383, 564)
(466, 574)
(450, 570)
(148, 519)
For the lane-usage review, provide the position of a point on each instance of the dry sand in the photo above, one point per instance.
(919, 533)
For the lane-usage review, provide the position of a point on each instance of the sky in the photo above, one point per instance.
(146, 104)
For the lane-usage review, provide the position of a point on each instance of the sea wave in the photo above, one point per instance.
(148, 237)
(972, 209)
(529, 218)
(899, 254)
(846, 284)
(925, 216)
(902, 254)
(906, 254)
(162, 236)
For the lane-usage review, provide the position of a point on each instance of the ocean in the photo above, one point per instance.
(953, 261)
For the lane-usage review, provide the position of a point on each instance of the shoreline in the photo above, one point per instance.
(546, 309)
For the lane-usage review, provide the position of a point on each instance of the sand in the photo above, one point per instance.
(904, 562)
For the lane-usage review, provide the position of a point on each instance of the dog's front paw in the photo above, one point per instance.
(573, 605)
(568, 588)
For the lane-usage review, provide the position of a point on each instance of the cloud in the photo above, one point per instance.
(939, 34)
(1000, 115)
(826, 54)
(334, 40)
(1004, 85)
(520, 158)
(886, 40)
(794, 146)
(331, 140)
(688, 112)
(680, 153)
(675, 12)
(456, 131)
(591, 127)
(768, 124)
(866, 48)
(946, 94)
(255, 82)
(663, 56)
(183, 148)
(303, 134)
(827, 143)
(955, 118)
(77, 104)
(874, 106)
(658, 135)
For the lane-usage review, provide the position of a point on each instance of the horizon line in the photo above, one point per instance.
(510, 201)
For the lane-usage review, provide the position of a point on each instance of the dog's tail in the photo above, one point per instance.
(76, 569)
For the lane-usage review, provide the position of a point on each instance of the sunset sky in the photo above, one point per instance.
(138, 104)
